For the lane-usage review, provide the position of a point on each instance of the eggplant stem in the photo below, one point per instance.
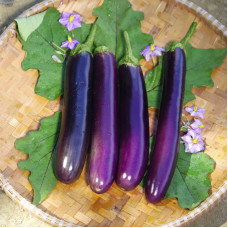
(101, 49)
(87, 46)
(175, 44)
(189, 34)
(128, 49)
(90, 39)
(128, 58)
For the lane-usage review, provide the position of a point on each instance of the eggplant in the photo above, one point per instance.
(167, 139)
(104, 133)
(134, 122)
(76, 114)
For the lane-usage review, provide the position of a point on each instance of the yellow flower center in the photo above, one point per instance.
(71, 18)
(195, 141)
(152, 48)
(201, 126)
(70, 39)
(195, 108)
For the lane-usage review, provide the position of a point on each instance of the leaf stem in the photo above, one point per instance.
(153, 62)
(58, 47)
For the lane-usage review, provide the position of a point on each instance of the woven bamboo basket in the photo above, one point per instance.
(76, 204)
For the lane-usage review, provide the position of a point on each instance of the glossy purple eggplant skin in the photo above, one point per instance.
(76, 118)
(104, 142)
(134, 127)
(166, 147)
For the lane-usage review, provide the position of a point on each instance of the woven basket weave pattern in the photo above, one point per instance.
(76, 204)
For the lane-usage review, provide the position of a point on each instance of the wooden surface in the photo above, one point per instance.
(22, 111)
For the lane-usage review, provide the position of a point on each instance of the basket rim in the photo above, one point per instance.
(5, 185)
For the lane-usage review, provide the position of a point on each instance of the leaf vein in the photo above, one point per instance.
(186, 184)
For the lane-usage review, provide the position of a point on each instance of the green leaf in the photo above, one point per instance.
(200, 64)
(28, 24)
(114, 17)
(41, 45)
(154, 86)
(40, 146)
(190, 182)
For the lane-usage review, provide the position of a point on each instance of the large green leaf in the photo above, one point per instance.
(200, 64)
(40, 46)
(40, 146)
(114, 17)
(190, 183)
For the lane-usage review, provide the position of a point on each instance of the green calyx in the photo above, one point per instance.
(128, 58)
(175, 44)
(101, 49)
(87, 46)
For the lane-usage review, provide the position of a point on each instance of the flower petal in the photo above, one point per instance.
(70, 26)
(192, 133)
(63, 21)
(75, 42)
(65, 43)
(77, 18)
(198, 130)
(196, 124)
(71, 45)
(66, 15)
(148, 57)
(77, 24)
(159, 48)
(187, 138)
(190, 109)
(145, 51)
(198, 137)
(198, 147)
(189, 148)
(156, 53)
(202, 110)
(200, 114)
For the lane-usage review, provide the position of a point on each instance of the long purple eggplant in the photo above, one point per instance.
(76, 114)
(104, 143)
(166, 146)
(134, 122)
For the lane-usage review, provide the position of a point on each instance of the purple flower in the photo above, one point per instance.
(197, 126)
(70, 43)
(195, 111)
(71, 21)
(151, 51)
(193, 142)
